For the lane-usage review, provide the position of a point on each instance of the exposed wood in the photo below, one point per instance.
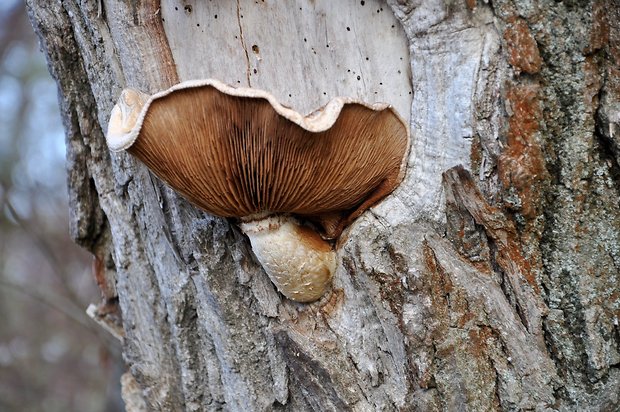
(304, 53)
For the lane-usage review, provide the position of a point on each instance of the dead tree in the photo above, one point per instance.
(489, 280)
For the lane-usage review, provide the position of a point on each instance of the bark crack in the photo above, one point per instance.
(245, 48)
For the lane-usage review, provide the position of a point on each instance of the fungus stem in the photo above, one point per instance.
(297, 260)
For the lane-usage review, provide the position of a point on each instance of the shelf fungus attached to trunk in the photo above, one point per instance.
(293, 182)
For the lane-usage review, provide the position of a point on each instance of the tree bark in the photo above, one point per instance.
(489, 280)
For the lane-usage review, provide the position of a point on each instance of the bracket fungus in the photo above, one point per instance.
(293, 182)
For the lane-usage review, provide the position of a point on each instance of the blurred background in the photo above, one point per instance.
(52, 356)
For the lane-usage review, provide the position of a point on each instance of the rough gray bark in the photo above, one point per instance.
(492, 286)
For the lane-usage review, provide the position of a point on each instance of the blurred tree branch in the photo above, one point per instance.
(42, 245)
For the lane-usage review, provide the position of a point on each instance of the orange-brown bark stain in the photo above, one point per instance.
(391, 290)
(523, 52)
(522, 165)
(480, 339)
(99, 273)
(599, 34)
(593, 82)
(475, 154)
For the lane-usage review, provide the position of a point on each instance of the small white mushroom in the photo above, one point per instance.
(238, 153)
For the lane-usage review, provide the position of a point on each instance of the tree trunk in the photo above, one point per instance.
(493, 285)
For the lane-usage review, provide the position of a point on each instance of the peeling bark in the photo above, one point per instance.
(492, 285)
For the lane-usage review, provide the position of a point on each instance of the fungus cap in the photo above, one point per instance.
(237, 152)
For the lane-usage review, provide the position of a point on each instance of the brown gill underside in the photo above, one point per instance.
(236, 156)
